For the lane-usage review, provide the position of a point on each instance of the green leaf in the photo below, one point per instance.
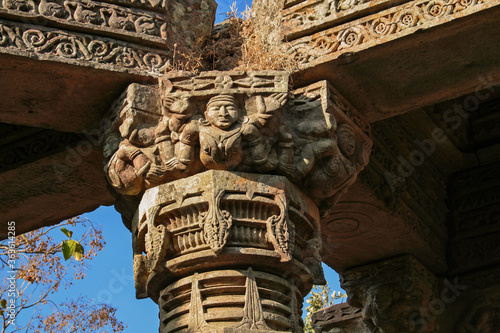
(67, 232)
(3, 303)
(79, 251)
(68, 248)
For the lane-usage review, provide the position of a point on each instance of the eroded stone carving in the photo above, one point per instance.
(341, 318)
(482, 316)
(253, 317)
(215, 160)
(216, 223)
(178, 211)
(118, 19)
(391, 294)
(383, 26)
(242, 122)
(76, 47)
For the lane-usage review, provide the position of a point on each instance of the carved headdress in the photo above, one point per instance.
(221, 98)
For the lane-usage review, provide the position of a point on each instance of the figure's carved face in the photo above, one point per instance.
(221, 113)
(346, 140)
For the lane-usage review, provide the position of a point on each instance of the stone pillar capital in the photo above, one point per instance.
(392, 294)
(223, 178)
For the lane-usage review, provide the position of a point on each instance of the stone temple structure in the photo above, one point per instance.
(378, 154)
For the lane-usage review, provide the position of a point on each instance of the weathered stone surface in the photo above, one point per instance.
(189, 220)
(249, 124)
(396, 206)
(218, 221)
(474, 205)
(176, 22)
(400, 62)
(46, 195)
(339, 318)
(392, 294)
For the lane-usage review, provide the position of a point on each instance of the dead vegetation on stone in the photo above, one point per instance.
(235, 44)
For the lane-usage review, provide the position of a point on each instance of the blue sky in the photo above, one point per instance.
(110, 277)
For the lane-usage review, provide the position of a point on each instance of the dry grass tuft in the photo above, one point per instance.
(237, 44)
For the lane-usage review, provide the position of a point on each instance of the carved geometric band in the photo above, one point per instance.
(212, 83)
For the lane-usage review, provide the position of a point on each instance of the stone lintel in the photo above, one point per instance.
(369, 56)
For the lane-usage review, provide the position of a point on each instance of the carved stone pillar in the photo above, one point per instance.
(223, 178)
(393, 295)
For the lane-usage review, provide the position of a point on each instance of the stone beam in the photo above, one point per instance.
(63, 64)
(58, 184)
(382, 56)
(397, 205)
(76, 57)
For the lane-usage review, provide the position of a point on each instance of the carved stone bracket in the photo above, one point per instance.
(339, 317)
(238, 121)
(392, 294)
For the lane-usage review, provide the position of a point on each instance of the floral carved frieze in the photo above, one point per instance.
(93, 14)
(47, 43)
(379, 28)
(301, 18)
(238, 121)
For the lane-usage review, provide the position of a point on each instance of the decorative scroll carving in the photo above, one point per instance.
(216, 223)
(242, 122)
(391, 293)
(307, 15)
(51, 43)
(389, 24)
(281, 231)
(97, 14)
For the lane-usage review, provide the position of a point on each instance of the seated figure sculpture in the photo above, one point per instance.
(221, 136)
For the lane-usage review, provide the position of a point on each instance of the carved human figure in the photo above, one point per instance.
(221, 135)
(131, 167)
(175, 116)
(338, 167)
